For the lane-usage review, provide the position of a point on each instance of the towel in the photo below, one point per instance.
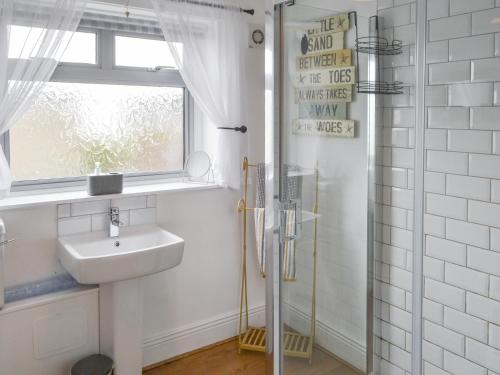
(289, 246)
(259, 217)
(291, 185)
(291, 193)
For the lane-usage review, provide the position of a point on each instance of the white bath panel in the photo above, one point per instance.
(62, 331)
(48, 334)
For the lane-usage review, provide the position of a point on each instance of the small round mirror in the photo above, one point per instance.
(198, 164)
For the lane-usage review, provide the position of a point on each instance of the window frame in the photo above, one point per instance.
(105, 71)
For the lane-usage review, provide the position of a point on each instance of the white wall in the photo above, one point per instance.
(204, 289)
(197, 303)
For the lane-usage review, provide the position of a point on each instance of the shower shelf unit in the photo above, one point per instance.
(377, 46)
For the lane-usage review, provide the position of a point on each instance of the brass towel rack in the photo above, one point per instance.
(254, 338)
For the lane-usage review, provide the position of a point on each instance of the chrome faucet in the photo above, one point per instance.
(114, 222)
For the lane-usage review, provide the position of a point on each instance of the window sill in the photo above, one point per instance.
(23, 199)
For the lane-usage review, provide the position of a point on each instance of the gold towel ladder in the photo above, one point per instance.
(254, 338)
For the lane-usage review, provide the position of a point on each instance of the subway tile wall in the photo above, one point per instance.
(92, 216)
(462, 180)
(394, 194)
(461, 187)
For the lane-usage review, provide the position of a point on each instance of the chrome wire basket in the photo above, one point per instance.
(379, 46)
(380, 87)
(376, 46)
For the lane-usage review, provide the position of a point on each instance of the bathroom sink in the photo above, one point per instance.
(94, 258)
(118, 265)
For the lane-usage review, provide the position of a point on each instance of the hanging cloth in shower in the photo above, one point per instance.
(259, 217)
(291, 189)
(289, 246)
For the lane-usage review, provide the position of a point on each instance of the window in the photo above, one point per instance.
(139, 52)
(82, 49)
(25, 40)
(127, 110)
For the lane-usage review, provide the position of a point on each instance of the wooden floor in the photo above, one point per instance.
(224, 360)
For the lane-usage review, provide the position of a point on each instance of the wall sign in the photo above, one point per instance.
(324, 80)
(320, 60)
(336, 111)
(334, 24)
(325, 128)
(334, 76)
(323, 43)
(332, 94)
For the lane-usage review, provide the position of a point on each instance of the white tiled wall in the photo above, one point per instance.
(462, 221)
(91, 216)
(394, 212)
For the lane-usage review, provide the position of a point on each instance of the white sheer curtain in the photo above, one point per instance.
(33, 36)
(207, 43)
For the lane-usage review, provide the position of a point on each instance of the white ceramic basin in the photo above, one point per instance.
(118, 265)
(94, 258)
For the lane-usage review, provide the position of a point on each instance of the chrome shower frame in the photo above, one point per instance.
(273, 129)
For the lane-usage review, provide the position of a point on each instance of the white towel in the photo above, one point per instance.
(293, 191)
(289, 247)
(259, 217)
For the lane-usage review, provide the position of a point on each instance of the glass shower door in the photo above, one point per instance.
(323, 153)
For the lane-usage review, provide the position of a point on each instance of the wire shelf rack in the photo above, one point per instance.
(377, 46)
(380, 87)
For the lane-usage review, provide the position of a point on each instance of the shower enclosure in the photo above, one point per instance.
(383, 201)
(335, 71)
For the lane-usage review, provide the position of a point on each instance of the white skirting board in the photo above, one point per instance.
(328, 338)
(185, 339)
(197, 335)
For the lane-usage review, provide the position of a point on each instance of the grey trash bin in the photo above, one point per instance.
(96, 364)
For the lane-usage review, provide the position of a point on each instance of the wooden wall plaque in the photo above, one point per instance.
(334, 76)
(324, 60)
(332, 24)
(324, 42)
(331, 94)
(324, 128)
(336, 111)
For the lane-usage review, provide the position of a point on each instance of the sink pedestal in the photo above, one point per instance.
(121, 326)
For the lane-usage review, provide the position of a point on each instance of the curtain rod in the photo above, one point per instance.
(205, 4)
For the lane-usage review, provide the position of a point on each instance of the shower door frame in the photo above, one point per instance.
(273, 129)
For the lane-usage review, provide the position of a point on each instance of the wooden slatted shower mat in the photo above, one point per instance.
(295, 344)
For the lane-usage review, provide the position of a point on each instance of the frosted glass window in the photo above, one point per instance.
(24, 43)
(142, 53)
(132, 129)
